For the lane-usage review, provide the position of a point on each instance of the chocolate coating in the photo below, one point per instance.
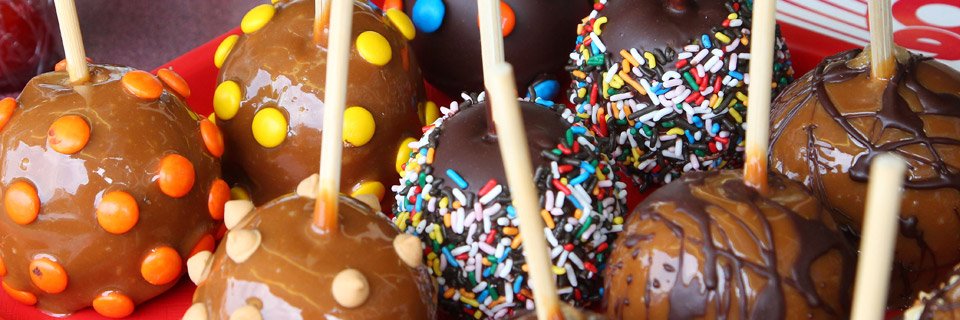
(279, 66)
(663, 87)
(291, 273)
(833, 121)
(538, 45)
(709, 247)
(473, 246)
(128, 138)
(468, 146)
(941, 303)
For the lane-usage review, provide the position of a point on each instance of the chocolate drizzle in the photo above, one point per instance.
(942, 303)
(738, 238)
(843, 119)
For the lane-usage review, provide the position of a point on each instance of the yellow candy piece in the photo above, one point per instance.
(369, 187)
(403, 23)
(226, 100)
(212, 117)
(598, 25)
(223, 50)
(238, 193)
(257, 17)
(431, 112)
(269, 127)
(403, 154)
(358, 126)
(374, 48)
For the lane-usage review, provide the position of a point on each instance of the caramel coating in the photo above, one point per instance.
(128, 137)
(292, 270)
(834, 120)
(279, 66)
(769, 257)
(941, 303)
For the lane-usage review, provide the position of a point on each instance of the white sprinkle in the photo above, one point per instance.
(736, 23)
(672, 83)
(486, 247)
(684, 55)
(691, 48)
(480, 287)
(459, 195)
(745, 55)
(733, 63)
(550, 238)
(563, 257)
(597, 42)
(492, 194)
(507, 266)
(555, 252)
(667, 137)
(571, 275)
(650, 93)
(548, 199)
(670, 75)
(621, 96)
(575, 260)
(700, 55)
(636, 55)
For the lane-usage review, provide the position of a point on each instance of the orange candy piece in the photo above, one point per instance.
(175, 82)
(22, 202)
(507, 18)
(212, 139)
(176, 175)
(161, 266)
(69, 134)
(392, 4)
(118, 212)
(219, 195)
(7, 106)
(142, 85)
(62, 65)
(20, 296)
(206, 243)
(3, 268)
(112, 304)
(48, 275)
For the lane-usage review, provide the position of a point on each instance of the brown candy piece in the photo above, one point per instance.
(834, 120)
(292, 271)
(103, 231)
(271, 100)
(708, 247)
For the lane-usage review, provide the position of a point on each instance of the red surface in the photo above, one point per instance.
(198, 70)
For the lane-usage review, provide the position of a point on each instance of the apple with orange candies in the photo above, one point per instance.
(108, 187)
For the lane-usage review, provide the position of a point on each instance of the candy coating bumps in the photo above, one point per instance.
(708, 247)
(664, 83)
(828, 127)
(537, 35)
(454, 196)
(269, 100)
(274, 264)
(107, 187)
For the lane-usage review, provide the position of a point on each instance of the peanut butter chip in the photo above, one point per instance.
(408, 248)
(246, 313)
(350, 288)
(235, 211)
(198, 266)
(198, 311)
(241, 244)
(308, 187)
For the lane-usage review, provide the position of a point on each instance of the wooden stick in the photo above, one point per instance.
(72, 41)
(331, 149)
(882, 60)
(516, 162)
(321, 19)
(758, 110)
(879, 237)
(491, 45)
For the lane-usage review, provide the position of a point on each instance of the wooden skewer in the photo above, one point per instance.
(758, 111)
(491, 45)
(882, 60)
(338, 59)
(879, 237)
(72, 41)
(516, 162)
(321, 18)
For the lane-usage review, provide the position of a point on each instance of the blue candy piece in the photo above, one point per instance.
(547, 89)
(428, 15)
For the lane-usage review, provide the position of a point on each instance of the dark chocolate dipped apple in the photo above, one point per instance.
(108, 187)
(830, 124)
(269, 100)
(940, 303)
(276, 264)
(537, 36)
(709, 247)
(454, 196)
(569, 313)
(663, 83)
